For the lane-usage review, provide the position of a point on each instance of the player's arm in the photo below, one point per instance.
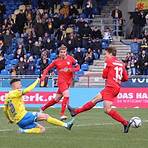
(5, 108)
(31, 87)
(125, 75)
(105, 73)
(76, 66)
(46, 70)
(105, 70)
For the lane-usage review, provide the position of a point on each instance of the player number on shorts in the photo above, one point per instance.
(119, 71)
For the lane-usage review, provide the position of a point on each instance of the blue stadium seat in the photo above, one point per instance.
(7, 62)
(96, 55)
(49, 61)
(104, 45)
(38, 61)
(28, 55)
(37, 66)
(9, 67)
(84, 50)
(53, 56)
(10, 56)
(4, 72)
(14, 61)
(37, 72)
(75, 50)
(79, 73)
(76, 78)
(84, 67)
(55, 72)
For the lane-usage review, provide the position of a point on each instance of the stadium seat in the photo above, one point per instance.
(8, 67)
(84, 67)
(76, 78)
(55, 72)
(10, 56)
(37, 66)
(79, 73)
(7, 61)
(83, 50)
(14, 61)
(104, 45)
(49, 61)
(38, 61)
(75, 50)
(28, 55)
(4, 72)
(96, 56)
(37, 72)
(53, 56)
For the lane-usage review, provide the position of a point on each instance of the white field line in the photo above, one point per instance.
(77, 125)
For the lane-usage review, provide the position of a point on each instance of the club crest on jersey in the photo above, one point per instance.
(68, 63)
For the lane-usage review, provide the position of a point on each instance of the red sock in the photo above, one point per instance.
(115, 115)
(85, 107)
(64, 105)
(48, 104)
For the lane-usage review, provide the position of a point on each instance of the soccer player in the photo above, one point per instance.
(66, 65)
(15, 111)
(114, 73)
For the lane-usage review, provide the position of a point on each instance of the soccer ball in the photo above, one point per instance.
(135, 122)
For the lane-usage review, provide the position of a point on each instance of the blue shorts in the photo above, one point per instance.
(28, 121)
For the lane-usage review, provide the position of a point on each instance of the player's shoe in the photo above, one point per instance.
(69, 124)
(20, 131)
(71, 110)
(63, 117)
(40, 111)
(126, 127)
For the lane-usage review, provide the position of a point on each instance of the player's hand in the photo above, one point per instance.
(70, 70)
(10, 122)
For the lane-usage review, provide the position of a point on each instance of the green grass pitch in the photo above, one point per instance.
(93, 129)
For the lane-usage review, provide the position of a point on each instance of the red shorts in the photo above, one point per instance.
(109, 93)
(62, 87)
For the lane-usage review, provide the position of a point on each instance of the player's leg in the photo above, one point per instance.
(54, 121)
(29, 125)
(64, 104)
(115, 115)
(86, 106)
(51, 102)
(36, 130)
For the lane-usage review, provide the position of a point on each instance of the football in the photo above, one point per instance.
(135, 122)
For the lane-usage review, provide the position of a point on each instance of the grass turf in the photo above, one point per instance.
(92, 129)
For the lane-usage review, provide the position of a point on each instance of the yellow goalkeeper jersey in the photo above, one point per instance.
(14, 106)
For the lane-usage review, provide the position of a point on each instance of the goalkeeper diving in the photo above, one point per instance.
(15, 111)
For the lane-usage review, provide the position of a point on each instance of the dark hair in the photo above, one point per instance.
(14, 80)
(112, 50)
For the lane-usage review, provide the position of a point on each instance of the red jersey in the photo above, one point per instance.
(114, 72)
(65, 67)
